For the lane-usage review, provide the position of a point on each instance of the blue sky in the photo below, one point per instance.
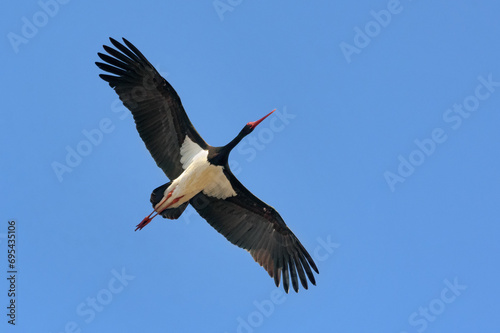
(382, 158)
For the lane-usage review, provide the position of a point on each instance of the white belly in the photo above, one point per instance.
(199, 175)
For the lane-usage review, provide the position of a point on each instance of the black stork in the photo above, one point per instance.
(200, 173)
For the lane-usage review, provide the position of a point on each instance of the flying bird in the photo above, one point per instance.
(199, 173)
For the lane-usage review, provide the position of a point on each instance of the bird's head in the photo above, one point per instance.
(221, 154)
(249, 127)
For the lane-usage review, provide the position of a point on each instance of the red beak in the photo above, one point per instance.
(254, 124)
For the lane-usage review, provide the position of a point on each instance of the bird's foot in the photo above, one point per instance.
(146, 220)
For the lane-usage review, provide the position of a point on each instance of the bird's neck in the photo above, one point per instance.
(221, 155)
(234, 142)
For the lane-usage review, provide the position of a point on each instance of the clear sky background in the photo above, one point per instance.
(382, 158)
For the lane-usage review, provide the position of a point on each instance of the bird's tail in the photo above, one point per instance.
(169, 213)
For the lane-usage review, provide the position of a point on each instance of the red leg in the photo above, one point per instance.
(146, 220)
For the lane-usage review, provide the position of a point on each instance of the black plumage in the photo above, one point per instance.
(163, 125)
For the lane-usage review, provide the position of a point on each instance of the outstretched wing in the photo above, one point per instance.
(253, 225)
(159, 115)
